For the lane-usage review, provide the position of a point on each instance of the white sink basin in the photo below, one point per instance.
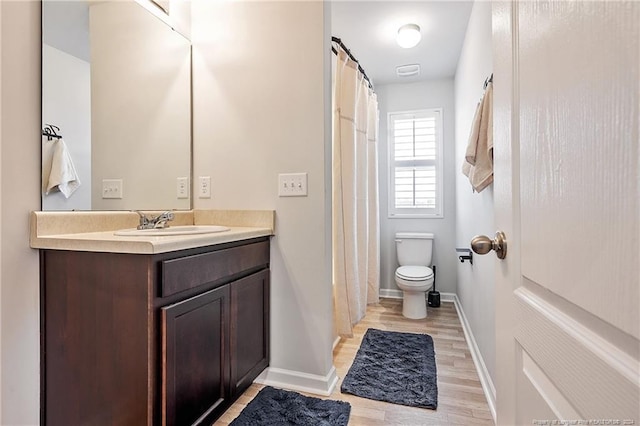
(172, 230)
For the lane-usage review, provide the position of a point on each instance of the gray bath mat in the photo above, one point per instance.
(394, 367)
(280, 407)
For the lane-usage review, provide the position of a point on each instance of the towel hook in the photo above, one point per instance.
(487, 81)
(50, 131)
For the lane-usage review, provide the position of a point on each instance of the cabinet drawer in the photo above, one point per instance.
(192, 271)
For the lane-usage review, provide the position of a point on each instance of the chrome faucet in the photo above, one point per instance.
(160, 221)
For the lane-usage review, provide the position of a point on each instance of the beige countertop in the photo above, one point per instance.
(94, 231)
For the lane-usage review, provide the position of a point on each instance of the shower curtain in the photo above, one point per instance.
(356, 250)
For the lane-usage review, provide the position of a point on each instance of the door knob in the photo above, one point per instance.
(481, 244)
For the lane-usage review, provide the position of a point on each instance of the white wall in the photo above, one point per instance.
(261, 81)
(19, 194)
(474, 211)
(66, 103)
(412, 96)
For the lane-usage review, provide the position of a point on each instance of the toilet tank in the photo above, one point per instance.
(414, 248)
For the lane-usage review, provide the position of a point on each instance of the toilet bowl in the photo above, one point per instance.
(413, 276)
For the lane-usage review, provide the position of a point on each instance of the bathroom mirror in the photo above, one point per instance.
(116, 83)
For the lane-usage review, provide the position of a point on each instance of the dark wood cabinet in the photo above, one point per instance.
(249, 329)
(164, 339)
(195, 362)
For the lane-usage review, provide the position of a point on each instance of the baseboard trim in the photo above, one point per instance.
(485, 379)
(389, 293)
(298, 381)
(335, 343)
(448, 297)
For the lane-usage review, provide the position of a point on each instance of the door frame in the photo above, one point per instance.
(506, 197)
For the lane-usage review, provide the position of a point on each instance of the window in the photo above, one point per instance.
(415, 163)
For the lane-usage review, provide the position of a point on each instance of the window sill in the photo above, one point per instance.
(416, 216)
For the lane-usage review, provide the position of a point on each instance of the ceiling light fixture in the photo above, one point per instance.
(408, 70)
(408, 35)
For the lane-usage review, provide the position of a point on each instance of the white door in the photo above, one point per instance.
(567, 191)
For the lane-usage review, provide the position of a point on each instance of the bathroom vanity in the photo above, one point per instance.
(171, 337)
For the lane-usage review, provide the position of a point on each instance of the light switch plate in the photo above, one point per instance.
(182, 189)
(292, 185)
(112, 188)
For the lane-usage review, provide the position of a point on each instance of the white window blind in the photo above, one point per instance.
(415, 146)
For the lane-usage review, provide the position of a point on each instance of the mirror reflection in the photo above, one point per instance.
(116, 83)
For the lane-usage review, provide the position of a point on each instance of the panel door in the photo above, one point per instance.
(195, 368)
(566, 111)
(249, 329)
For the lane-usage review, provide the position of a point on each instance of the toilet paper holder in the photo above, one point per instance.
(467, 256)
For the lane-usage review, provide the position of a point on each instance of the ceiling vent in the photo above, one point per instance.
(408, 70)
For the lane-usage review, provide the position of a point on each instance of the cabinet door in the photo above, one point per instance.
(249, 329)
(195, 368)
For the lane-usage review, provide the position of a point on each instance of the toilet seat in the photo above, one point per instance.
(414, 281)
(414, 273)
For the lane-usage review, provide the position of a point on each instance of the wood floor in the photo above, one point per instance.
(460, 397)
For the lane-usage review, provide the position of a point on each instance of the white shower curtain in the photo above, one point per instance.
(356, 250)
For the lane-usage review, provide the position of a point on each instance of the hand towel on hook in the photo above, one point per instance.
(478, 163)
(63, 175)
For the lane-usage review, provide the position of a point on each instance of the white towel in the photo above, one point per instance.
(478, 163)
(63, 175)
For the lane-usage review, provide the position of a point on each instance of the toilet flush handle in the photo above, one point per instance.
(481, 244)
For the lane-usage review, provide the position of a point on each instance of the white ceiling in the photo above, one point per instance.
(368, 29)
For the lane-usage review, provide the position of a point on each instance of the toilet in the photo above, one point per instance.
(413, 276)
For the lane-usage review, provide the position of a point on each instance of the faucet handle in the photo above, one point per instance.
(144, 220)
(161, 220)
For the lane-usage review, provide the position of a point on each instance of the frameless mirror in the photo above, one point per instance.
(116, 82)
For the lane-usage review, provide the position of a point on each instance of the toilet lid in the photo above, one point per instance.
(414, 273)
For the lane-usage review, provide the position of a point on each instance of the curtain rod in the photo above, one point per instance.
(353, 58)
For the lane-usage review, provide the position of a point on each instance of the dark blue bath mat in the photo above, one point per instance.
(280, 407)
(394, 367)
